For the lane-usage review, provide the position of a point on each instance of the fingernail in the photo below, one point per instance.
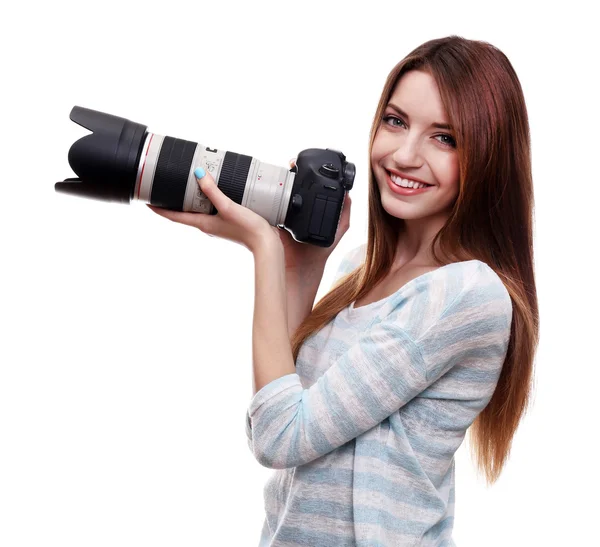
(199, 172)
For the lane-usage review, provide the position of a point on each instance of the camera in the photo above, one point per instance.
(121, 161)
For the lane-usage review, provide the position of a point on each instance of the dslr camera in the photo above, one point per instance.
(121, 161)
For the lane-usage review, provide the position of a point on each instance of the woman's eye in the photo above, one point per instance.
(450, 142)
(386, 118)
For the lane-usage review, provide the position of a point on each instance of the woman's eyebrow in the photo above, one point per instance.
(435, 124)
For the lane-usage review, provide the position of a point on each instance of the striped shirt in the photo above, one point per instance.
(363, 435)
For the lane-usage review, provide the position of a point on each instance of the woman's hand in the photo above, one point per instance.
(233, 221)
(306, 255)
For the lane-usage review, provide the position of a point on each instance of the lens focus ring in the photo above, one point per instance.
(234, 174)
(172, 172)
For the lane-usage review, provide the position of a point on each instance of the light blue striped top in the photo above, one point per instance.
(363, 435)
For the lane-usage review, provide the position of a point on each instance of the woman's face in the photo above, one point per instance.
(407, 144)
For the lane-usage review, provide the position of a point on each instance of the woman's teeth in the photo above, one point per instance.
(406, 183)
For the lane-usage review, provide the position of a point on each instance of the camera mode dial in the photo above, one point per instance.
(329, 170)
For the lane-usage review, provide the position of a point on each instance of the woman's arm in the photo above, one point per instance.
(302, 285)
(271, 347)
(280, 291)
(301, 290)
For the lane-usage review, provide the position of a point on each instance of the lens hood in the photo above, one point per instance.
(106, 160)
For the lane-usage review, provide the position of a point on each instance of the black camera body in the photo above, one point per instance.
(322, 180)
(121, 161)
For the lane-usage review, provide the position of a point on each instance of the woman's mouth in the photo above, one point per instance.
(395, 185)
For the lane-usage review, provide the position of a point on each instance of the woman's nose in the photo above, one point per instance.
(408, 153)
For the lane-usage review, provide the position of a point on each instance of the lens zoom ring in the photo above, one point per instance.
(172, 172)
(233, 176)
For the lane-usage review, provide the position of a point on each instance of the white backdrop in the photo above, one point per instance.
(126, 339)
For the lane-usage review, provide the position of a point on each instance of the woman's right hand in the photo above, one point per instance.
(303, 255)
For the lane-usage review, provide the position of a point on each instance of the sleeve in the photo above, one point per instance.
(382, 371)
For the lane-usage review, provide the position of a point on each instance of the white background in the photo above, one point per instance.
(126, 339)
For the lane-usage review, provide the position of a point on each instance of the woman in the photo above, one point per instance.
(430, 329)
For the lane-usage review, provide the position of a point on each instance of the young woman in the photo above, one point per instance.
(430, 329)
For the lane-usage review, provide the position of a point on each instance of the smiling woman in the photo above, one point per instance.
(431, 327)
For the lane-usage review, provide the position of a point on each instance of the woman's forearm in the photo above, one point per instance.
(271, 348)
(301, 289)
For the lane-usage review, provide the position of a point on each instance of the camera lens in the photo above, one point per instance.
(121, 161)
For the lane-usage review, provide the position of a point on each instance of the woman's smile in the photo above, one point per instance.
(396, 188)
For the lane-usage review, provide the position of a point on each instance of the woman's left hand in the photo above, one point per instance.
(233, 221)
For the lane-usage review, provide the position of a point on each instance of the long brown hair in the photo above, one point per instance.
(491, 221)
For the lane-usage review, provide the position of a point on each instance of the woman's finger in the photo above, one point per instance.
(209, 188)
